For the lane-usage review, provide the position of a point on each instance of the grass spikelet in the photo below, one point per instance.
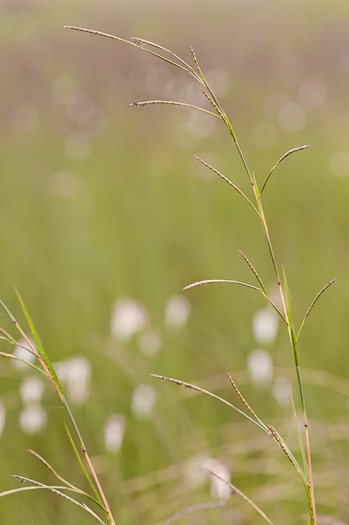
(293, 150)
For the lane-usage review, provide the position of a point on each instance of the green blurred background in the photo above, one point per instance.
(102, 202)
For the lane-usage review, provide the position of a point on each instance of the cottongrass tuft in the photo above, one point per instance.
(177, 312)
(114, 431)
(143, 401)
(128, 317)
(260, 367)
(32, 418)
(265, 325)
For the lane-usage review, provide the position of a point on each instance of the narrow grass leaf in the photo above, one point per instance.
(246, 498)
(70, 485)
(207, 392)
(11, 340)
(113, 37)
(255, 186)
(290, 321)
(218, 281)
(278, 439)
(15, 358)
(141, 42)
(196, 63)
(243, 400)
(98, 501)
(295, 349)
(7, 311)
(275, 308)
(299, 436)
(51, 488)
(39, 345)
(51, 469)
(211, 101)
(300, 148)
(263, 289)
(253, 271)
(313, 304)
(8, 337)
(173, 103)
(223, 177)
(202, 77)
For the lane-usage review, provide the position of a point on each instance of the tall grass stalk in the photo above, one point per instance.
(195, 71)
(45, 367)
(255, 202)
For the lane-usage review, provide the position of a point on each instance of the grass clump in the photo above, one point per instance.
(282, 305)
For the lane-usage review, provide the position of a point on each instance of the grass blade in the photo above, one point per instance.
(212, 102)
(52, 488)
(173, 103)
(40, 347)
(299, 436)
(218, 281)
(276, 436)
(313, 304)
(11, 356)
(263, 290)
(67, 483)
(99, 501)
(207, 392)
(290, 322)
(139, 45)
(243, 400)
(142, 42)
(246, 498)
(300, 148)
(228, 182)
(253, 271)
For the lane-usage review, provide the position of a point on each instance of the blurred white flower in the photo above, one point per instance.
(76, 372)
(220, 488)
(21, 352)
(128, 317)
(177, 312)
(2, 417)
(143, 401)
(32, 419)
(150, 343)
(114, 430)
(197, 472)
(260, 366)
(282, 391)
(31, 389)
(265, 326)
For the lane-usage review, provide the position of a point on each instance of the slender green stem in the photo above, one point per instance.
(285, 299)
(287, 315)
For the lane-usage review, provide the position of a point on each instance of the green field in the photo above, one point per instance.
(102, 202)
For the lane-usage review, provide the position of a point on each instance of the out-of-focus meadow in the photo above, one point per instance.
(105, 215)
